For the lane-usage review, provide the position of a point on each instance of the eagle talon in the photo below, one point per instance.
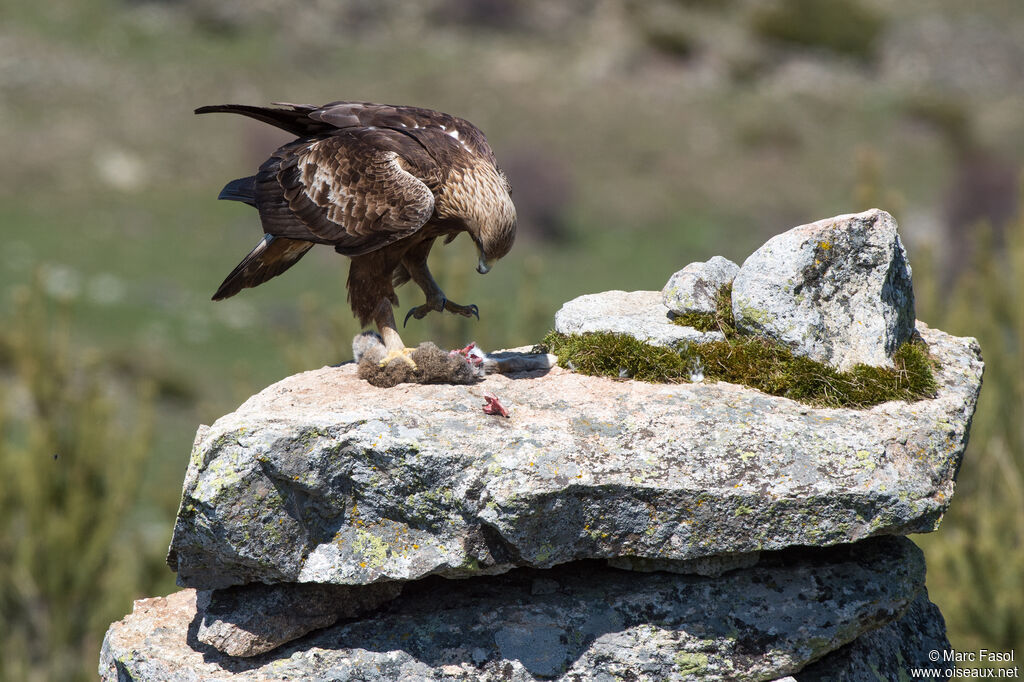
(421, 311)
(403, 354)
(464, 310)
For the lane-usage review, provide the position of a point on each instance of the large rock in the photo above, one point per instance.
(641, 314)
(580, 621)
(837, 290)
(694, 289)
(324, 478)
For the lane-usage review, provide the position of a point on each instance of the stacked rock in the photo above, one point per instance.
(608, 529)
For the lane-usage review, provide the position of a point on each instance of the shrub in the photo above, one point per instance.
(72, 453)
(976, 560)
(845, 27)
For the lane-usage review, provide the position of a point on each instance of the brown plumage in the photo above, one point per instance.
(379, 183)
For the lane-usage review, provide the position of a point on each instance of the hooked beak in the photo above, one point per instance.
(483, 266)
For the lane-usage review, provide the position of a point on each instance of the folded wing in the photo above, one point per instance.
(359, 189)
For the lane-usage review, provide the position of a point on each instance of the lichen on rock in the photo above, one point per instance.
(578, 621)
(587, 467)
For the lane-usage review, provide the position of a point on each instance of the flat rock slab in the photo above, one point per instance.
(324, 478)
(580, 621)
(642, 314)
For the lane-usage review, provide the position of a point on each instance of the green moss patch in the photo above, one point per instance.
(751, 361)
(615, 355)
(771, 367)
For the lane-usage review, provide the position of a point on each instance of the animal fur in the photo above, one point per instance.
(433, 365)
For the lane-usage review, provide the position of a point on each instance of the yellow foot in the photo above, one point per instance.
(399, 354)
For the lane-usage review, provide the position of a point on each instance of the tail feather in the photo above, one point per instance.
(242, 189)
(295, 120)
(272, 256)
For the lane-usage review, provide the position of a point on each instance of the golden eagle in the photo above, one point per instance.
(379, 183)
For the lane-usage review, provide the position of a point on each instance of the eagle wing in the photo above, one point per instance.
(358, 190)
(408, 120)
(306, 120)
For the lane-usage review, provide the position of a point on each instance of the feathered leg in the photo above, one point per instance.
(372, 300)
(415, 263)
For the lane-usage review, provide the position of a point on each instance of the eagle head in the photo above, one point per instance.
(491, 220)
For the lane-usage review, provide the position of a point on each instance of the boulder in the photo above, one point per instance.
(579, 621)
(837, 290)
(641, 314)
(694, 289)
(324, 478)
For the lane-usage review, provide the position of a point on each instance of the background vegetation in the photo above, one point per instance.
(639, 136)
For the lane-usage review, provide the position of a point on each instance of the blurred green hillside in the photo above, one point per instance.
(638, 136)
